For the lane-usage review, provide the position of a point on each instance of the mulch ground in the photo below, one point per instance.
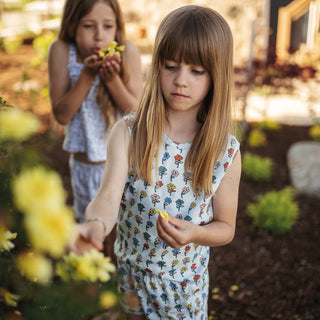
(257, 276)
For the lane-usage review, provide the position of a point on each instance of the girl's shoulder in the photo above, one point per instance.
(59, 46)
(59, 49)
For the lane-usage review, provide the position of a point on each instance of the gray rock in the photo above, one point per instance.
(304, 167)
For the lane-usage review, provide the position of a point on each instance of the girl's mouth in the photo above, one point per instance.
(95, 50)
(179, 95)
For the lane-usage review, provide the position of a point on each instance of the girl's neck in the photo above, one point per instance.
(181, 128)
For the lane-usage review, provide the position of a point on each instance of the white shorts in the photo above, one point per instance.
(85, 182)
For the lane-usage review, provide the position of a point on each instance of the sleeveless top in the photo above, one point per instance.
(86, 132)
(138, 243)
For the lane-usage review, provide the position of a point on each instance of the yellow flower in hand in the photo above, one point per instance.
(163, 214)
(112, 49)
(17, 125)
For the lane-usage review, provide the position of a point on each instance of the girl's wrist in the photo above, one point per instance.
(100, 221)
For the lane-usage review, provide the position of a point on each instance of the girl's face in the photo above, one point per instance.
(184, 86)
(95, 30)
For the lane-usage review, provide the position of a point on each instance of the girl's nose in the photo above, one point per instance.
(181, 78)
(99, 33)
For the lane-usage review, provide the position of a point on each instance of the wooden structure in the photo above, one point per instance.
(298, 23)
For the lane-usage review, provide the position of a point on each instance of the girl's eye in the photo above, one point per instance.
(198, 72)
(170, 67)
(87, 25)
(108, 26)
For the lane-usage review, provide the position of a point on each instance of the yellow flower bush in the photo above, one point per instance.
(5, 239)
(37, 190)
(9, 298)
(35, 267)
(35, 228)
(17, 125)
(49, 231)
(108, 300)
(92, 266)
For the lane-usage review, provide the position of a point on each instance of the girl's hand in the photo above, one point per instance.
(87, 236)
(176, 232)
(109, 68)
(92, 63)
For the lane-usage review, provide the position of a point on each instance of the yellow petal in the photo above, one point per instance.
(101, 53)
(121, 48)
(163, 214)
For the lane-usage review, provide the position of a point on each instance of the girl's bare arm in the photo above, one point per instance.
(177, 232)
(105, 205)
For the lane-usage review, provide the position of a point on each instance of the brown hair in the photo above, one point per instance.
(73, 12)
(200, 36)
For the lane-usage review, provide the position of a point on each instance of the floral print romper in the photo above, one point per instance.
(170, 283)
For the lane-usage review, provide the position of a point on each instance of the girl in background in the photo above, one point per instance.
(175, 155)
(89, 94)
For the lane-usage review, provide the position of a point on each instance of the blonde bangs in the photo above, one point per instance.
(190, 46)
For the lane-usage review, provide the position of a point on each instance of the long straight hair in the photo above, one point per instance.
(73, 12)
(199, 36)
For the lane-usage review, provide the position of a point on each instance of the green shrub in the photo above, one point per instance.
(314, 132)
(257, 138)
(41, 45)
(238, 131)
(256, 168)
(268, 125)
(275, 212)
(12, 46)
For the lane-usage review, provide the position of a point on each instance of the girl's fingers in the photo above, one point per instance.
(166, 232)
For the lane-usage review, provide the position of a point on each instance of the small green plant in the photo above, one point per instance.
(275, 212)
(238, 131)
(41, 45)
(256, 168)
(314, 132)
(257, 138)
(12, 46)
(268, 125)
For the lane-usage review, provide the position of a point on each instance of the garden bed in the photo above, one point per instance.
(258, 276)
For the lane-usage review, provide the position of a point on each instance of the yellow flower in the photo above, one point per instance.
(35, 267)
(50, 230)
(17, 124)
(9, 298)
(112, 49)
(163, 214)
(92, 266)
(5, 239)
(37, 190)
(108, 299)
